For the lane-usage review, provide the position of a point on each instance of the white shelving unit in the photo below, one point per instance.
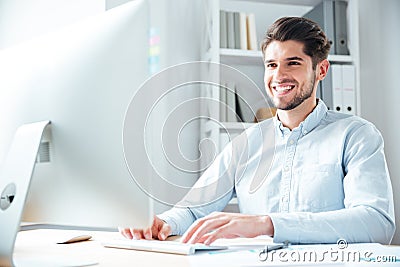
(251, 57)
(266, 11)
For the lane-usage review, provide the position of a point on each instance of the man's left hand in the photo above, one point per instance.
(227, 225)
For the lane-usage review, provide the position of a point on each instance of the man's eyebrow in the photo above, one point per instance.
(286, 59)
(269, 60)
(294, 58)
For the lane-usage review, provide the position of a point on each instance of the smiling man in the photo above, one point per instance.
(327, 178)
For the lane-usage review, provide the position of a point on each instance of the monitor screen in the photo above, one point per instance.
(80, 78)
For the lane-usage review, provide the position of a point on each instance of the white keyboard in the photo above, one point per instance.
(173, 247)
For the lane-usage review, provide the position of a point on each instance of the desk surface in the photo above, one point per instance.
(40, 248)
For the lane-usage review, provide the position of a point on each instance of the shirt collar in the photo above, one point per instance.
(306, 126)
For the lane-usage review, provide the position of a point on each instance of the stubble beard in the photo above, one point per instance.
(298, 98)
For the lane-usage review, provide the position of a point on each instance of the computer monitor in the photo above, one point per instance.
(80, 78)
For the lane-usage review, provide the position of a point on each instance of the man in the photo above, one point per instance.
(327, 177)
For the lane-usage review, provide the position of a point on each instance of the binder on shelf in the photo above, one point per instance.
(251, 32)
(222, 103)
(245, 112)
(348, 89)
(230, 22)
(331, 15)
(340, 80)
(239, 104)
(323, 15)
(230, 102)
(243, 31)
(223, 37)
(236, 29)
(340, 8)
(319, 91)
(326, 90)
(336, 71)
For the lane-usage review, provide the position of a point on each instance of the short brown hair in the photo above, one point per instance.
(306, 31)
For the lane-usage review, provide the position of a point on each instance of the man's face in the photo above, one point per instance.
(289, 77)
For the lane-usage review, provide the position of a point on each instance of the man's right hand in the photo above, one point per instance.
(159, 230)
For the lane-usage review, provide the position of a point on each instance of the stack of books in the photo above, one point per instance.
(238, 30)
(233, 105)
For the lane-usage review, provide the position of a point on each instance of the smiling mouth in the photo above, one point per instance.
(282, 88)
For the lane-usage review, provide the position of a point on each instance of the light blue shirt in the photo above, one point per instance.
(326, 179)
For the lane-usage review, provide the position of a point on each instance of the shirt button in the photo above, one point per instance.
(291, 142)
(286, 168)
(305, 132)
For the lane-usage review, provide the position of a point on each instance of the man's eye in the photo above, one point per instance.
(271, 65)
(294, 63)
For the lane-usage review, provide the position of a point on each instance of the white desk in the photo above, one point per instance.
(39, 248)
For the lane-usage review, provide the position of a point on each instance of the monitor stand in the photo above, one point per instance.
(15, 177)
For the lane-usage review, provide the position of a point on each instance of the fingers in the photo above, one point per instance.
(210, 231)
(131, 233)
(136, 233)
(227, 225)
(164, 231)
(203, 226)
(148, 233)
(125, 232)
(222, 232)
(192, 230)
(159, 229)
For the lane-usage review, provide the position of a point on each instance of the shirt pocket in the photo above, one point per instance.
(319, 188)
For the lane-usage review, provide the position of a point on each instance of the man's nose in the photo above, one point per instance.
(280, 73)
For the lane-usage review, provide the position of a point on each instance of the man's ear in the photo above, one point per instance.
(322, 69)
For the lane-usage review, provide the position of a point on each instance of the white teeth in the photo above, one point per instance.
(283, 88)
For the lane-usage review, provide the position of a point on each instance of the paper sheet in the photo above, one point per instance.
(363, 254)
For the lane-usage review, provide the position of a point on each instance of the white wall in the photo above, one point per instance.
(380, 80)
(21, 20)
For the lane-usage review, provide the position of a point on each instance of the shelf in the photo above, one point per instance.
(229, 126)
(251, 57)
(237, 125)
(340, 58)
(288, 2)
(242, 57)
